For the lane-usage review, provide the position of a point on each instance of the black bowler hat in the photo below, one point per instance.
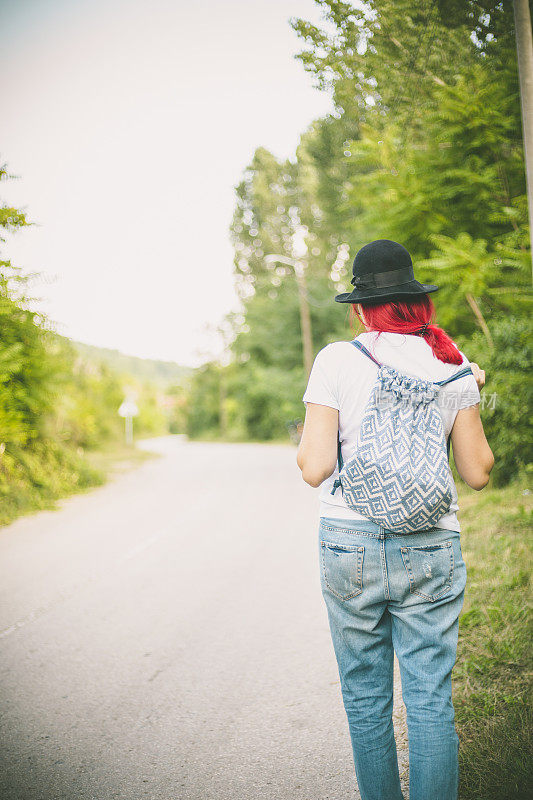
(383, 270)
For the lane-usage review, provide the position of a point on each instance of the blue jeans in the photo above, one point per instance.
(387, 592)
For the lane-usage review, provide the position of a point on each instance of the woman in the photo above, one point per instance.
(386, 591)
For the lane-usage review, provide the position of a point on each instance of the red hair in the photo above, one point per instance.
(415, 316)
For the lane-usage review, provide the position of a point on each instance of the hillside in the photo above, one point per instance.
(162, 373)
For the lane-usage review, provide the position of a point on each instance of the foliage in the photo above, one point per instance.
(423, 146)
(35, 477)
(203, 412)
(25, 385)
(508, 394)
(265, 399)
(58, 400)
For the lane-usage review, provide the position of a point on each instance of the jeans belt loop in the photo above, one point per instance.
(381, 532)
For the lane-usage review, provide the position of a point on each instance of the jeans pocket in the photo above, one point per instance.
(429, 569)
(342, 568)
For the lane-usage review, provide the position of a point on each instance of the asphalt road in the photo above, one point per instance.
(164, 637)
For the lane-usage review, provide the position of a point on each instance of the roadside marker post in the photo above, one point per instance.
(128, 409)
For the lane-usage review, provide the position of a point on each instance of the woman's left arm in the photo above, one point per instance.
(317, 451)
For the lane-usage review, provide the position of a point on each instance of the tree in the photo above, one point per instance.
(424, 146)
(492, 25)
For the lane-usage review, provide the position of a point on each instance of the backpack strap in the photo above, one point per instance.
(369, 355)
(366, 352)
(339, 451)
(337, 482)
(460, 374)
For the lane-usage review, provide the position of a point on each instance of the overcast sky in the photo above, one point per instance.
(129, 123)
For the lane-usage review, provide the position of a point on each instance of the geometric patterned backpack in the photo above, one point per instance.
(399, 475)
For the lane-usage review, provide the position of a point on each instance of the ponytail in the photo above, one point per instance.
(413, 317)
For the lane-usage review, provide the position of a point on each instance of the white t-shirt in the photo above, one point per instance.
(342, 377)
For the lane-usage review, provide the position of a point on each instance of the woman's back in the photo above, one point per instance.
(388, 591)
(342, 378)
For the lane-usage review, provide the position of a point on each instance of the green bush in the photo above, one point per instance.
(507, 395)
(35, 477)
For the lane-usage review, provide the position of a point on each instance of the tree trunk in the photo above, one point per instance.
(223, 413)
(524, 48)
(305, 320)
(480, 319)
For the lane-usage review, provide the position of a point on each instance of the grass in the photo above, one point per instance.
(492, 688)
(116, 458)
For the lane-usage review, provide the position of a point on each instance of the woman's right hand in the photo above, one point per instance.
(479, 375)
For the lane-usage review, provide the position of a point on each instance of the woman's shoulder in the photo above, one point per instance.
(333, 349)
(342, 348)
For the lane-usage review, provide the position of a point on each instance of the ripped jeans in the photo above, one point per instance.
(387, 592)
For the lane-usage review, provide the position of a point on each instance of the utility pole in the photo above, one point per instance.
(524, 49)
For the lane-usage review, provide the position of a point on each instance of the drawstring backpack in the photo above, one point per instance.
(399, 475)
